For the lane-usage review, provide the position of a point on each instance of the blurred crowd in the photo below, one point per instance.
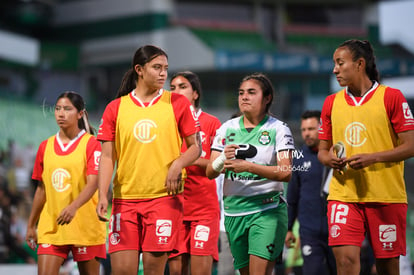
(16, 194)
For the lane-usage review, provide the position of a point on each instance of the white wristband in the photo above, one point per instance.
(218, 163)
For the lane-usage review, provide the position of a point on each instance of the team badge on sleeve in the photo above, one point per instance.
(100, 126)
(96, 158)
(220, 140)
(289, 140)
(320, 129)
(407, 111)
(195, 116)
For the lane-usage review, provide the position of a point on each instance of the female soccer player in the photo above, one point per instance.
(142, 131)
(64, 204)
(254, 151)
(199, 234)
(375, 126)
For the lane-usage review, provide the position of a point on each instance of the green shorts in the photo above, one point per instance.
(261, 234)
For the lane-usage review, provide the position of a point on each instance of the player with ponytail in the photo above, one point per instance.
(63, 217)
(376, 127)
(142, 131)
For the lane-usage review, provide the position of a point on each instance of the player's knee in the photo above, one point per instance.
(346, 260)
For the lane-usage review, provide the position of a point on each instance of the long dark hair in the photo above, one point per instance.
(363, 49)
(142, 56)
(194, 81)
(265, 84)
(77, 101)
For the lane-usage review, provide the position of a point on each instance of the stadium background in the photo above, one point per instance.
(50, 46)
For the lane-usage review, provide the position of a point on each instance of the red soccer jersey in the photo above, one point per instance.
(200, 194)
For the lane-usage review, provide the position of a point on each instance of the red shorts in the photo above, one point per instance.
(80, 253)
(385, 225)
(145, 225)
(199, 238)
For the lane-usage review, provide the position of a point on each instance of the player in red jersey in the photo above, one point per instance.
(63, 210)
(198, 238)
(142, 132)
(374, 125)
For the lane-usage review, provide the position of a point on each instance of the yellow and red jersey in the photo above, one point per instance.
(370, 125)
(147, 140)
(63, 172)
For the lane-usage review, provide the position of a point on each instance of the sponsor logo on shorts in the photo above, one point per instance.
(335, 231)
(81, 250)
(270, 248)
(201, 233)
(199, 245)
(115, 238)
(46, 245)
(387, 235)
(163, 228)
(387, 246)
(163, 240)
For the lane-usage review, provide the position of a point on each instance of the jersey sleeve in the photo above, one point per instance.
(219, 141)
(325, 125)
(398, 110)
(93, 155)
(284, 138)
(184, 112)
(38, 164)
(107, 127)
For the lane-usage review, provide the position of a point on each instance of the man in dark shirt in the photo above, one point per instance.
(307, 203)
